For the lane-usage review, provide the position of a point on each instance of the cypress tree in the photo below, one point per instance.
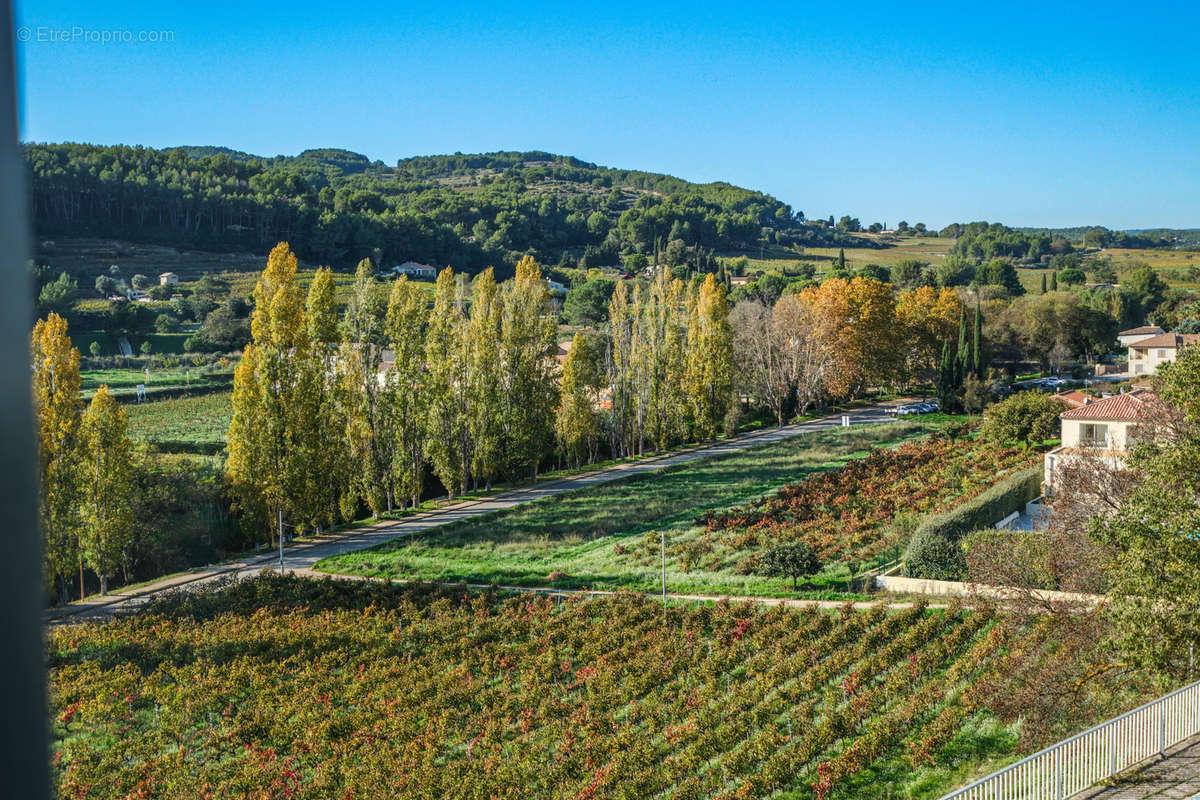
(976, 348)
(1054, 281)
(1043, 283)
(946, 384)
(841, 262)
(962, 356)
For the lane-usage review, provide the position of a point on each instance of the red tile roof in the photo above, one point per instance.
(1131, 405)
(1076, 398)
(1169, 340)
(1141, 330)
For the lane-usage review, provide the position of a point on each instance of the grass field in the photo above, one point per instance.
(608, 537)
(777, 259)
(195, 424)
(123, 382)
(314, 690)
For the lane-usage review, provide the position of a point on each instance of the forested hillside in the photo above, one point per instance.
(336, 207)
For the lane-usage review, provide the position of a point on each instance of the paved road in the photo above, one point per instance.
(300, 557)
(1176, 777)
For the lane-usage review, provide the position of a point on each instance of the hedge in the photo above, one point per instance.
(985, 509)
(935, 549)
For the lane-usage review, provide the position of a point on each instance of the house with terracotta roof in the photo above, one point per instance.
(1133, 335)
(1105, 428)
(1075, 399)
(1146, 355)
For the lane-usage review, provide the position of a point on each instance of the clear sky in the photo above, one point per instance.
(1024, 113)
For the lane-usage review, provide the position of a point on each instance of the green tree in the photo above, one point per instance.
(1043, 283)
(58, 296)
(446, 382)
(577, 423)
(1029, 418)
(587, 303)
(527, 382)
(107, 486)
(709, 377)
(1154, 567)
(483, 345)
(1054, 281)
(106, 285)
(791, 560)
(57, 406)
(1147, 285)
(406, 318)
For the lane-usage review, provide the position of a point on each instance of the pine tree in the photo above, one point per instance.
(107, 486)
(446, 420)
(577, 423)
(709, 359)
(406, 318)
(57, 406)
(483, 339)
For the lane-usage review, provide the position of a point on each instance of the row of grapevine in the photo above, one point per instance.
(369, 691)
(850, 513)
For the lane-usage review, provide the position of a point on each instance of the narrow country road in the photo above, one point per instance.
(301, 557)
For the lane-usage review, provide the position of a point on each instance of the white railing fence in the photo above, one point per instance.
(1101, 752)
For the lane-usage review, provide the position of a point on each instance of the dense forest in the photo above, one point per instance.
(337, 207)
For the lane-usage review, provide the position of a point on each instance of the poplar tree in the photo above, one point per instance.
(577, 423)
(527, 382)
(619, 364)
(709, 359)
(321, 412)
(107, 485)
(406, 317)
(370, 417)
(446, 420)
(57, 407)
(661, 355)
(483, 341)
(266, 446)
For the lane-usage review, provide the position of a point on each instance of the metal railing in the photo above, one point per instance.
(1085, 759)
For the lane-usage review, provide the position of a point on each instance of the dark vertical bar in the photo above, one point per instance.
(24, 749)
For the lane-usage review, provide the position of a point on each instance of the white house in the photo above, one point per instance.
(1105, 428)
(1126, 338)
(414, 270)
(168, 279)
(1145, 355)
(555, 287)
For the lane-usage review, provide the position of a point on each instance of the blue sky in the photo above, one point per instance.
(1025, 113)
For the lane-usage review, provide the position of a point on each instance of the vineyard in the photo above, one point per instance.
(188, 424)
(278, 688)
(856, 508)
(865, 509)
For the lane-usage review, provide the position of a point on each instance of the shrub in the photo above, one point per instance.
(790, 560)
(935, 557)
(1027, 417)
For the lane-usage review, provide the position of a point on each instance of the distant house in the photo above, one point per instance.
(739, 280)
(1076, 398)
(168, 279)
(1146, 355)
(555, 287)
(414, 270)
(1102, 427)
(1126, 338)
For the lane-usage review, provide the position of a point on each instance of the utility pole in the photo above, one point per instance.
(281, 542)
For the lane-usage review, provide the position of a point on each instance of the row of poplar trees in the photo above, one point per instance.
(331, 412)
(86, 465)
